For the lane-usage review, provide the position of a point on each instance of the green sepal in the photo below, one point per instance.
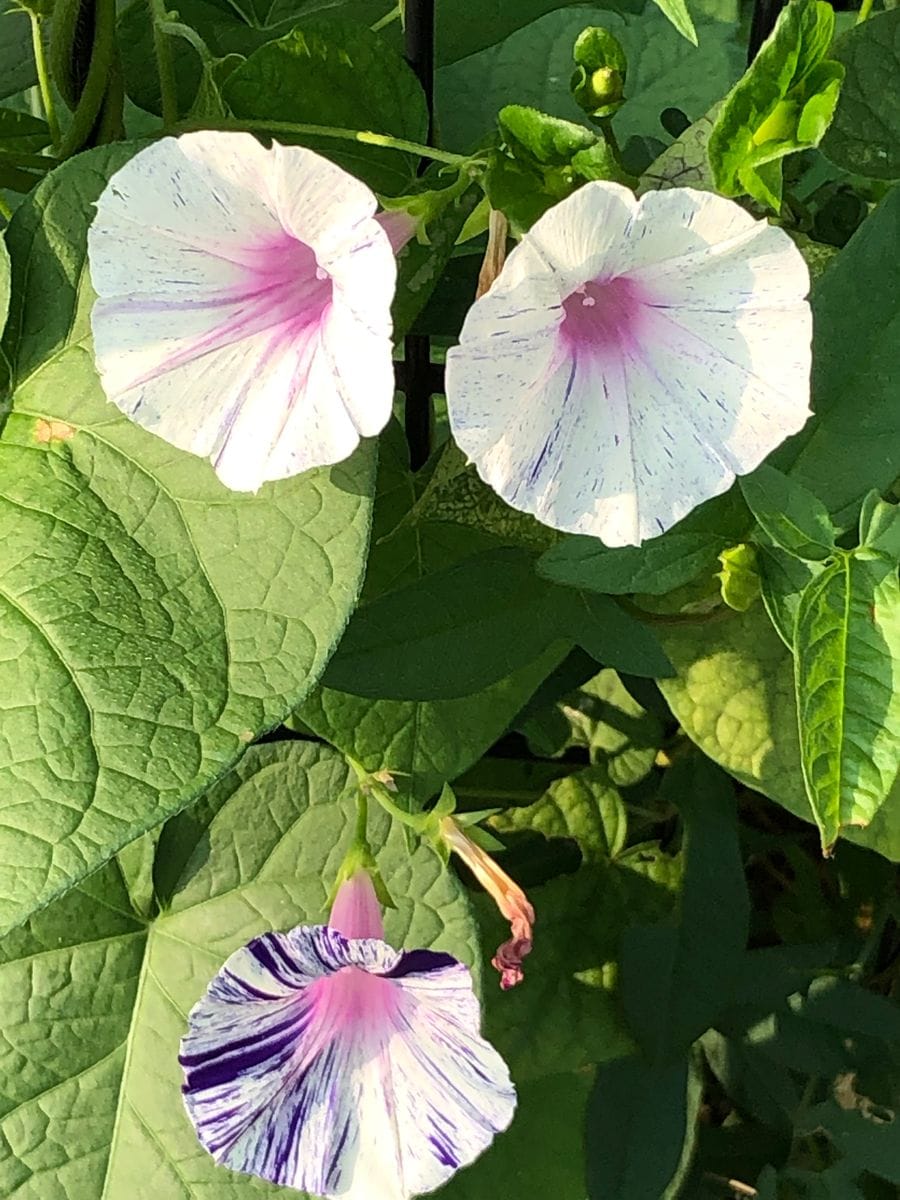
(360, 858)
(425, 207)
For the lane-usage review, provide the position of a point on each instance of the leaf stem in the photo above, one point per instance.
(40, 63)
(864, 10)
(329, 131)
(165, 64)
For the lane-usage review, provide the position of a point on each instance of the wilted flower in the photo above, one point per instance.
(323, 1059)
(632, 357)
(244, 304)
(507, 895)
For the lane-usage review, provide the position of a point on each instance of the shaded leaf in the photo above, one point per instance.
(428, 741)
(550, 1111)
(794, 519)
(641, 1122)
(458, 631)
(677, 979)
(853, 442)
(663, 70)
(17, 70)
(331, 71)
(864, 137)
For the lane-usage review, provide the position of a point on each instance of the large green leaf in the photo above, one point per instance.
(733, 693)
(853, 442)
(429, 741)
(664, 70)
(458, 631)
(95, 998)
(152, 622)
(865, 134)
(457, 35)
(330, 71)
(847, 674)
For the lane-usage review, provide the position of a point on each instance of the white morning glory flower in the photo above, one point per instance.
(631, 358)
(243, 309)
(324, 1060)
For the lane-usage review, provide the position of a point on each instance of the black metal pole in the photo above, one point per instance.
(765, 14)
(417, 375)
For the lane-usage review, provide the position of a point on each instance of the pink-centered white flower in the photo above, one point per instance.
(324, 1060)
(243, 309)
(632, 357)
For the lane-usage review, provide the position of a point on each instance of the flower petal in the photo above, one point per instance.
(224, 273)
(448, 1092)
(342, 1067)
(675, 354)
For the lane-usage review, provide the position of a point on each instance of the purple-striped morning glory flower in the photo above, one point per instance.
(631, 358)
(243, 309)
(323, 1059)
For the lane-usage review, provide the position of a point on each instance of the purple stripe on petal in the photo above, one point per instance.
(420, 962)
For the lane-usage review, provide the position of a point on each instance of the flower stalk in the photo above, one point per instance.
(367, 137)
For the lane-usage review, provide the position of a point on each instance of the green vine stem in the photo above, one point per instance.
(165, 64)
(329, 131)
(371, 785)
(864, 9)
(40, 63)
(388, 19)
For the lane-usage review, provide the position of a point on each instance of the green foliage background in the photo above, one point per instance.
(665, 739)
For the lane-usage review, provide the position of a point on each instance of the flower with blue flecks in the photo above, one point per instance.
(324, 1060)
(632, 358)
(243, 309)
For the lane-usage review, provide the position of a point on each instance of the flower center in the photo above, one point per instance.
(602, 314)
(286, 284)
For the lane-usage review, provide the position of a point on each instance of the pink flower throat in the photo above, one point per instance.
(603, 314)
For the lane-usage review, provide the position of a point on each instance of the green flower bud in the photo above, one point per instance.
(739, 576)
(598, 82)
